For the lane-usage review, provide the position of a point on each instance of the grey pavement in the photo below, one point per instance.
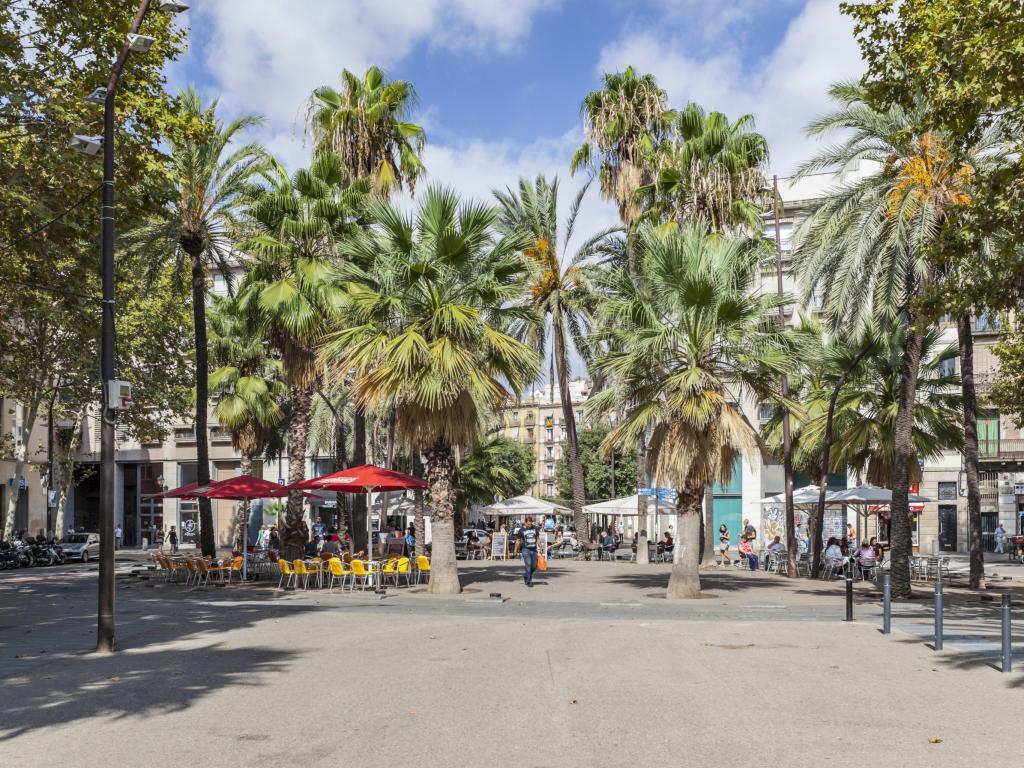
(591, 667)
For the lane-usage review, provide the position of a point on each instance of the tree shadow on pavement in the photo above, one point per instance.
(512, 572)
(171, 652)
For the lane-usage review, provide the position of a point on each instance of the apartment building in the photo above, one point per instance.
(535, 420)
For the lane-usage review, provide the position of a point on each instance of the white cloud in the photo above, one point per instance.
(266, 56)
(783, 91)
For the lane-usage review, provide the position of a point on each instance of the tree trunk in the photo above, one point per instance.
(419, 526)
(571, 443)
(207, 538)
(816, 523)
(295, 532)
(970, 396)
(641, 504)
(242, 513)
(20, 455)
(66, 471)
(389, 461)
(444, 573)
(684, 583)
(902, 544)
(358, 532)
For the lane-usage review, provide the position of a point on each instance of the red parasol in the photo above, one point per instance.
(362, 479)
(186, 491)
(241, 488)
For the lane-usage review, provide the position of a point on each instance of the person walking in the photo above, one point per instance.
(526, 544)
(723, 544)
(1000, 536)
(118, 533)
(172, 539)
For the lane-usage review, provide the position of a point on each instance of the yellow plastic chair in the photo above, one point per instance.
(233, 566)
(422, 567)
(193, 571)
(338, 571)
(202, 573)
(361, 572)
(403, 568)
(287, 574)
(390, 570)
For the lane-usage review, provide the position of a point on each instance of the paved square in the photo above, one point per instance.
(590, 668)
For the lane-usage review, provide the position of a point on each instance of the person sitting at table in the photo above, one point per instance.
(833, 552)
(274, 539)
(331, 546)
(866, 551)
(608, 543)
(473, 545)
(877, 548)
(410, 538)
(667, 544)
(746, 550)
(312, 548)
(777, 545)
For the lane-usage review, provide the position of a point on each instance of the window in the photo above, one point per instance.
(988, 437)
(947, 367)
(579, 417)
(818, 297)
(529, 434)
(220, 285)
(549, 489)
(947, 491)
(765, 411)
(550, 434)
(515, 417)
(985, 322)
(515, 433)
(549, 470)
(551, 452)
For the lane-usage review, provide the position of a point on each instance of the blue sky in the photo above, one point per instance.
(500, 81)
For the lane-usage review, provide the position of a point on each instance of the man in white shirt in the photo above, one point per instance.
(1000, 535)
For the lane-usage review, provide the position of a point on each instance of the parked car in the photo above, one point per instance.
(81, 546)
(483, 536)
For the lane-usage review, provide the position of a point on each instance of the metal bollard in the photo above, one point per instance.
(886, 604)
(849, 592)
(938, 613)
(1007, 636)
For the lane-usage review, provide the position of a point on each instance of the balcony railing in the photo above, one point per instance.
(1001, 449)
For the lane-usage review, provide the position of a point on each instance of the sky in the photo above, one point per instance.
(500, 82)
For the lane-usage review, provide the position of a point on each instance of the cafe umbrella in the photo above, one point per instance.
(362, 479)
(242, 488)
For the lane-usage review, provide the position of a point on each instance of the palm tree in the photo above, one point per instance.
(197, 232)
(485, 473)
(709, 169)
(623, 123)
(873, 241)
(364, 123)
(867, 407)
(289, 290)
(247, 384)
(431, 301)
(687, 339)
(559, 294)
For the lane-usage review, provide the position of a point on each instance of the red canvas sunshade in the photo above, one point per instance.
(241, 488)
(186, 491)
(364, 479)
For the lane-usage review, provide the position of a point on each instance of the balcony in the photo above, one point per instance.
(1001, 451)
(219, 435)
(184, 435)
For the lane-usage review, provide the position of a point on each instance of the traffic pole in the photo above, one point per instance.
(886, 604)
(1007, 637)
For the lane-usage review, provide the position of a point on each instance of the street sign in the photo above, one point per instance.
(666, 494)
(645, 491)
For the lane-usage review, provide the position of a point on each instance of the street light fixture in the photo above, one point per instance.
(169, 6)
(140, 43)
(98, 96)
(87, 145)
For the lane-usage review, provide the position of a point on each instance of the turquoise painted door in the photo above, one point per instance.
(728, 510)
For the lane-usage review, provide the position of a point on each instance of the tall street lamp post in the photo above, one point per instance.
(787, 440)
(105, 640)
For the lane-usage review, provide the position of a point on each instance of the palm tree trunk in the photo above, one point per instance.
(641, 504)
(444, 573)
(817, 522)
(710, 534)
(572, 443)
(389, 459)
(970, 397)
(295, 532)
(242, 514)
(207, 540)
(684, 583)
(418, 523)
(358, 532)
(901, 543)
